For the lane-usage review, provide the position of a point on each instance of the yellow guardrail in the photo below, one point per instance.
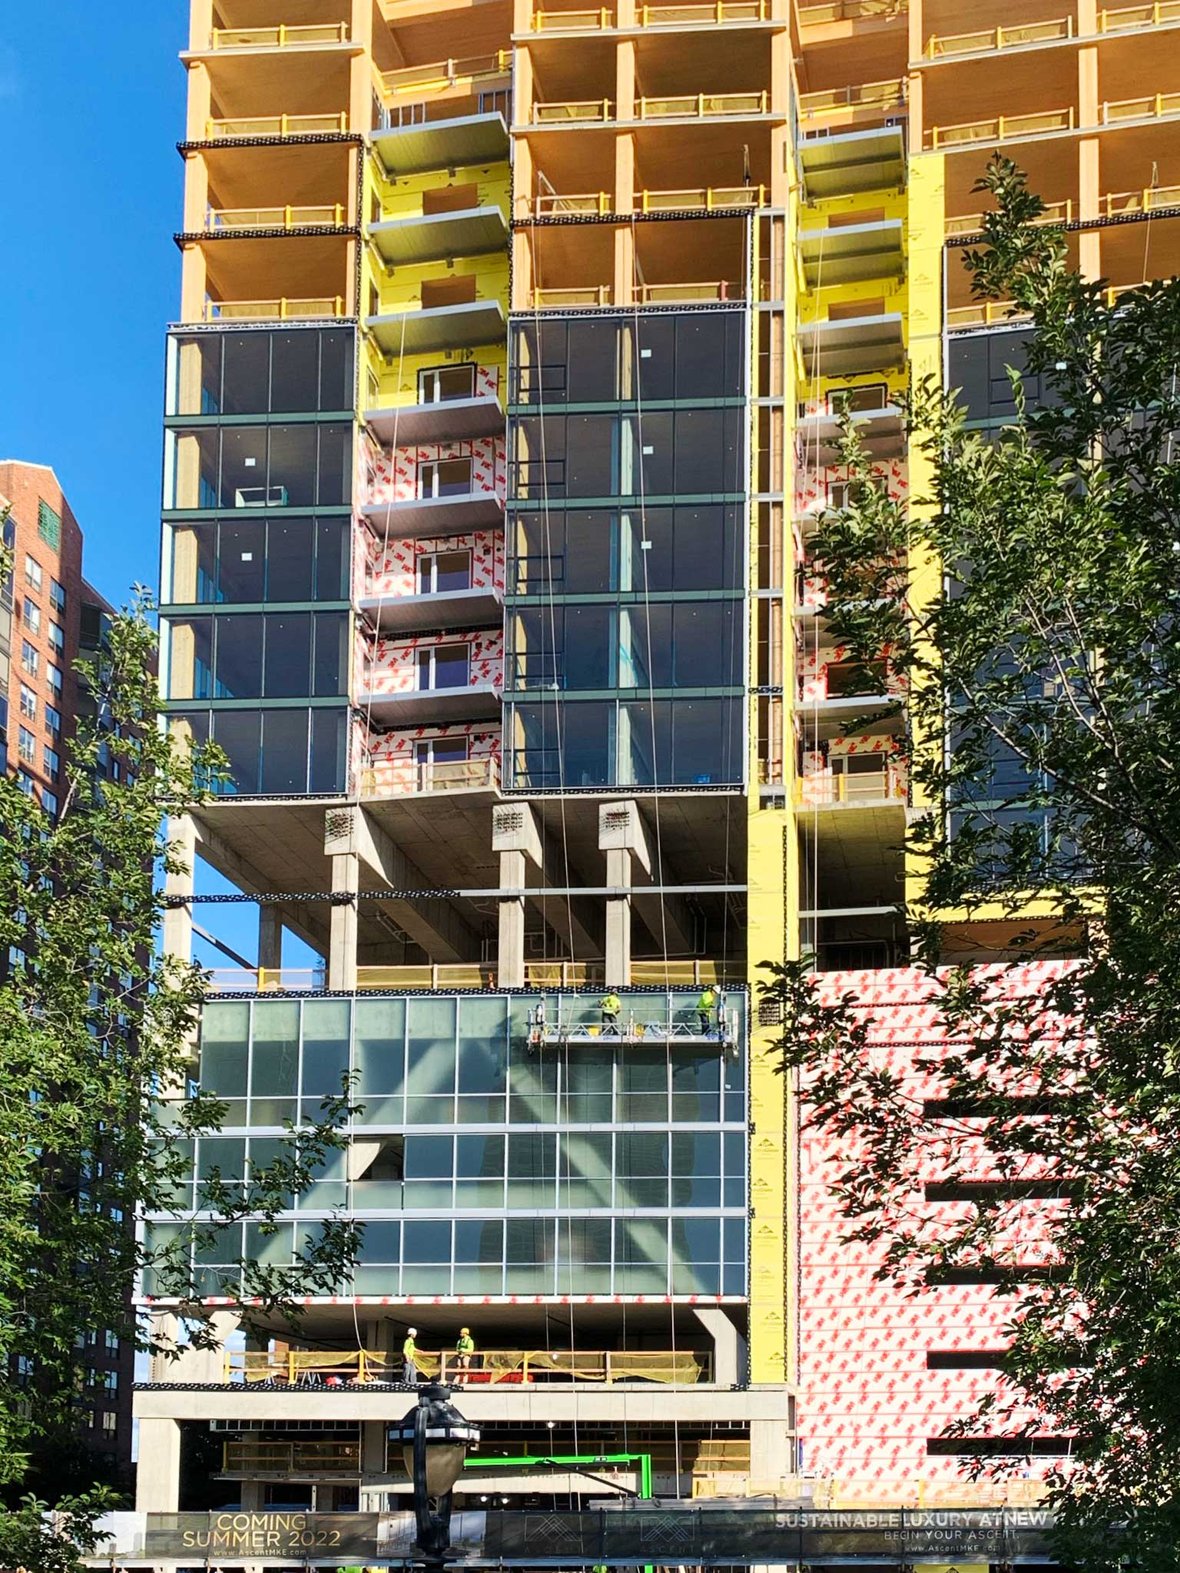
(567, 21)
(703, 198)
(986, 39)
(280, 37)
(812, 15)
(325, 217)
(1141, 108)
(1129, 16)
(971, 223)
(999, 127)
(550, 202)
(983, 313)
(708, 15)
(572, 110)
(263, 980)
(590, 295)
(282, 308)
(454, 975)
(275, 126)
(654, 294)
(877, 786)
(288, 1458)
(448, 775)
(698, 105)
(890, 94)
(440, 75)
(488, 1367)
(1145, 201)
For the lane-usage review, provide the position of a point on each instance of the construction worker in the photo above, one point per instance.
(611, 1006)
(706, 1005)
(464, 1349)
(410, 1358)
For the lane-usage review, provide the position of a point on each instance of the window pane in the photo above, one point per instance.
(330, 670)
(284, 751)
(247, 372)
(295, 370)
(287, 667)
(238, 734)
(329, 764)
(241, 562)
(289, 544)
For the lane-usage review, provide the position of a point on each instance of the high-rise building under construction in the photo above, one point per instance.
(502, 403)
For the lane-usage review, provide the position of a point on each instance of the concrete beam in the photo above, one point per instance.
(727, 1344)
(247, 878)
(433, 924)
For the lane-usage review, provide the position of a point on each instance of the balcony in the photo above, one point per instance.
(585, 111)
(844, 346)
(267, 126)
(851, 253)
(414, 144)
(407, 777)
(417, 329)
(702, 106)
(822, 13)
(989, 39)
(846, 108)
(460, 775)
(840, 790)
(220, 221)
(1055, 213)
(715, 14)
(878, 423)
(447, 76)
(853, 161)
(441, 420)
(469, 702)
(1154, 107)
(489, 1368)
(414, 517)
(425, 237)
(1161, 13)
(303, 36)
(282, 310)
(1003, 128)
(475, 607)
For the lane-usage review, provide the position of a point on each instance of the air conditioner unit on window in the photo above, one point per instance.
(260, 497)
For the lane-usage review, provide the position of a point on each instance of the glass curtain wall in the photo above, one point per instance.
(625, 612)
(487, 1164)
(256, 626)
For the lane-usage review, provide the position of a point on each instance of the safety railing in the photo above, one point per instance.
(291, 1458)
(441, 75)
(264, 980)
(870, 786)
(1000, 127)
(971, 223)
(570, 21)
(707, 15)
(282, 308)
(658, 294)
(1149, 200)
(397, 778)
(703, 199)
(275, 126)
(1126, 17)
(325, 217)
(659, 1022)
(985, 312)
(985, 40)
(454, 975)
(882, 96)
(698, 105)
(487, 1367)
(561, 111)
(821, 11)
(1150, 108)
(577, 295)
(547, 203)
(280, 37)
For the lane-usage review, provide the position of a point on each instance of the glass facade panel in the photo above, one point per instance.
(606, 1171)
(258, 371)
(260, 558)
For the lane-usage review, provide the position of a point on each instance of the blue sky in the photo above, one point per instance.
(91, 109)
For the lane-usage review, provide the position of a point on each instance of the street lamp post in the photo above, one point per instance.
(435, 1439)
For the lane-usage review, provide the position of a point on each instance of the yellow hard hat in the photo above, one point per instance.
(465, 1329)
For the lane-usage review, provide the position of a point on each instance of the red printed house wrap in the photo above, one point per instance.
(393, 475)
(393, 565)
(867, 1401)
(391, 665)
(813, 485)
(392, 766)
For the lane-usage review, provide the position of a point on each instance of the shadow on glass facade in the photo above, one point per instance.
(626, 626)
(482, 1163)
(257, 496)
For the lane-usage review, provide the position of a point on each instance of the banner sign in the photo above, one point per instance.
(637, 1534)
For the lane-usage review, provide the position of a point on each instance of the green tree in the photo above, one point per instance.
(1043, 674)
(96, 1035)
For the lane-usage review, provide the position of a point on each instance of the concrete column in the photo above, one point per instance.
(772, 1452)
(200, 27)
(516, 838)
(625, 81)
(621, 836)
(178, 921)
(200, 99)
(373, 1444)
(726, 1345)
(510, 967)
(157, 1476)
(360, 85)
(270, 938)
(194, 280)
(196, 192)
(1089, 202)
(624, 195)
(340, 846)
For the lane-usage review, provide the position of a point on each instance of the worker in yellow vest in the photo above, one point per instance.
(706, 1006)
